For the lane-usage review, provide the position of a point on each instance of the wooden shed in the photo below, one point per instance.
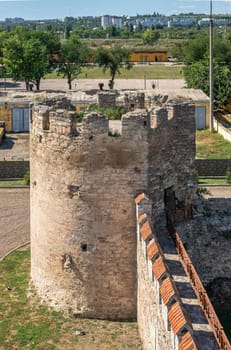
(148, 56)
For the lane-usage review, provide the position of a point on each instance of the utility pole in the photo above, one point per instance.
(211, 80)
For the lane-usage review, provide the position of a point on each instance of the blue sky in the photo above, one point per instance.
(43, 9)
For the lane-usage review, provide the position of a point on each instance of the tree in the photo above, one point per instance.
(150, 37)
(197, 77)
(198, 49)
(27, 55)
(195, 54)
(73, 56)
(113, 59)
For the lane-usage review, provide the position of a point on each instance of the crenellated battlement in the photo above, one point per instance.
(51, 117)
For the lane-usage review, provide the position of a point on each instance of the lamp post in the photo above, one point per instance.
(211, 80)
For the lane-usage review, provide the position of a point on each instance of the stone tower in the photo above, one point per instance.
(83, 181)
(82, 212)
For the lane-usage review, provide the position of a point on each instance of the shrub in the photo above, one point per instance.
(26, 178)
(112, 113)
(228, 176)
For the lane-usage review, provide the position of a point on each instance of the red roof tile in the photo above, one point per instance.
(177, 318)
(152, 250)
(146, 230)
(141, 218)
(140, 197)
(187, 342)
(167, 290)
(159, 268)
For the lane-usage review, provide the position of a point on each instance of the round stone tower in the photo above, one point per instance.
(83, 234)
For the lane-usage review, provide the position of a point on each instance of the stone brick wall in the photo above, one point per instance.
(106, 99)
(208, 242)
(134, 101)
(83, 181)
(13, 169)
(213, 167)
(172, 153)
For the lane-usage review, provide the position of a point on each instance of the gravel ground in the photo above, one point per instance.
(14, 218)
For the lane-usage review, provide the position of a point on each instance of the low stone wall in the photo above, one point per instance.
(221, 129)
(13, 169)
(213, 167)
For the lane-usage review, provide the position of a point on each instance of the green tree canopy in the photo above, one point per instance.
(113, 59)
(195, 54)
(27, 54)
(151, 36)
(197, 77)
(198, 49)
(73, 56)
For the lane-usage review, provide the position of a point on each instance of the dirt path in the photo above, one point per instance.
(219, 192)
(14, 218)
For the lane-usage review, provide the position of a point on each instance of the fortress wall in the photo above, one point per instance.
(162, 319)
(83, 235)
(172, 153)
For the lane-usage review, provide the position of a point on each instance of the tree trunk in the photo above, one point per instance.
(69, 82)
(27, 85)
(37, 83)
(112, 82)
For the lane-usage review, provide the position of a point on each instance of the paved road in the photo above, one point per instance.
(89, 84)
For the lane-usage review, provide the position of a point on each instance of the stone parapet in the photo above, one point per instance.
(167, 318)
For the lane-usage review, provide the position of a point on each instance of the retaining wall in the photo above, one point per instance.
(13, 169)
(213, 167)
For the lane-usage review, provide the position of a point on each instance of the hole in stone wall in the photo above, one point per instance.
(40, 138)
(46, 123)
(145, 123)
(84, 247)
(137, 170)
(91, 138)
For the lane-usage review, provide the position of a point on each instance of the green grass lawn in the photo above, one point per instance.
(27, 324)
(152, 72)
(12, 183)
(211, 145)
(212, 181)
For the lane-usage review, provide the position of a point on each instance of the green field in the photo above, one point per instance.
(212, 181)
(27, 324)
(12, 183)
(210, 145)
(155, 71)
